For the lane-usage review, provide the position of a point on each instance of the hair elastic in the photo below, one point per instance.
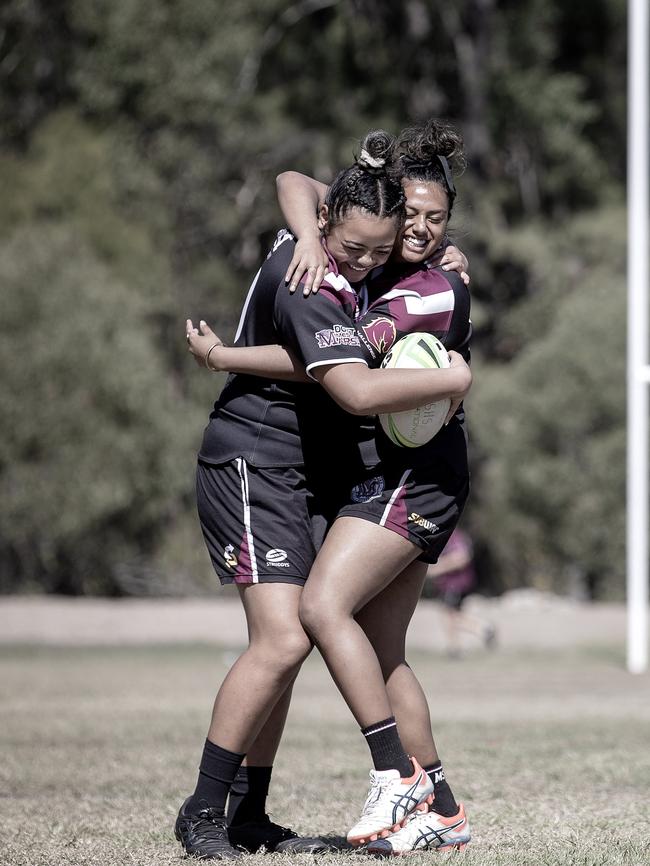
(414, 165)
(451, 189)
(371, 161)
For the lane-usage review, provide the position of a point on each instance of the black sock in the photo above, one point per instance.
(247, 800)
(443, 799)
(217, 772)
(386, 749)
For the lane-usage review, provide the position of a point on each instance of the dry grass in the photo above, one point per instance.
(99, 746)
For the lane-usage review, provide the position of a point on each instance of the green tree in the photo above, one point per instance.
(92, 462)
(147, 136)
(550, 426)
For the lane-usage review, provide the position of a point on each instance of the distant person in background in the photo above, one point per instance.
(450, 580)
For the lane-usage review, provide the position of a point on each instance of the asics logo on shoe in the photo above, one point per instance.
(406, 802)
(425, 831)
(390, 801)
(430, 834)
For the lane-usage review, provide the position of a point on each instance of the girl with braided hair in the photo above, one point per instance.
(431, 153)
(400, 514)
(275, 466)
(359, 624)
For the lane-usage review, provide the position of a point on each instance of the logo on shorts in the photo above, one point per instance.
(422, 521)
(229, 556)
(367, 490)
(337, 335)
(381, 333)
(277, 557)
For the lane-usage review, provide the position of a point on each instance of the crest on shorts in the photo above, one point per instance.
(380, 333)
(229, 556)
(367, 490)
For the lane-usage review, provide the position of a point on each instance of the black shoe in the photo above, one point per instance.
(254, 835)
(203, 834)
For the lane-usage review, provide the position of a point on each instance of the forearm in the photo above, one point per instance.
(269, 362)
(364, 391)
(449, 562)
(299, 198)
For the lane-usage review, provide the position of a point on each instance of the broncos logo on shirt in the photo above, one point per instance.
(380, 333)
(404, 300)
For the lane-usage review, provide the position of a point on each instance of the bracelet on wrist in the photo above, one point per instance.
(207, 357)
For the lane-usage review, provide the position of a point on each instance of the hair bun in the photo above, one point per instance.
(430, 140)
(376, 152)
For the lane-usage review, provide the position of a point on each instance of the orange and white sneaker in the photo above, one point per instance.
(389, 803)
(425, 831)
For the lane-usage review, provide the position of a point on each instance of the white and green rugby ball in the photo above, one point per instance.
(415, 427)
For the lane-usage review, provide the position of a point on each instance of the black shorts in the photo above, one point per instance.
(422, 504)
(259, 525)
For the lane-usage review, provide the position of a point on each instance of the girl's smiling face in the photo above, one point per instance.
(427, 215)
(360, 242)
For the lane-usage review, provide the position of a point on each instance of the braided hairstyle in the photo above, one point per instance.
(430, 151)
(369, 185)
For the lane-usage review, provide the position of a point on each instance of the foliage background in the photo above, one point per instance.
(139, 142)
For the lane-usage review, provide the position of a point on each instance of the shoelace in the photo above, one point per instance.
(373, 803)
(209, 816)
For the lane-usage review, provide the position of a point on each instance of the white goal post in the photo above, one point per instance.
(638, 371)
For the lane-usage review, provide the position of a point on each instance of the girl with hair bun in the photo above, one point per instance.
(399, 514)
(276, 465)
(431, 153)
(360, 624)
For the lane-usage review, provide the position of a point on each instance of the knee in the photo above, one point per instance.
(284, 652)
(315, 616)
(296, 647)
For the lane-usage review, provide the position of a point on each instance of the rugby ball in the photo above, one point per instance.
(415, 427)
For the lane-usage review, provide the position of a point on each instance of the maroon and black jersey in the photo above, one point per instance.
(404, 299)
(408, 298)
(271, 423)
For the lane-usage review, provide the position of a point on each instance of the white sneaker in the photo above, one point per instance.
(390, 801)
(425, 830)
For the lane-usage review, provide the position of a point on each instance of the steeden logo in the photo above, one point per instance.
(276, 557)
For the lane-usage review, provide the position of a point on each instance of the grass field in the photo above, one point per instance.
(550, 752)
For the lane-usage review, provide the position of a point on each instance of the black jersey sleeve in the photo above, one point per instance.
(319, 328)
(256, 327)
